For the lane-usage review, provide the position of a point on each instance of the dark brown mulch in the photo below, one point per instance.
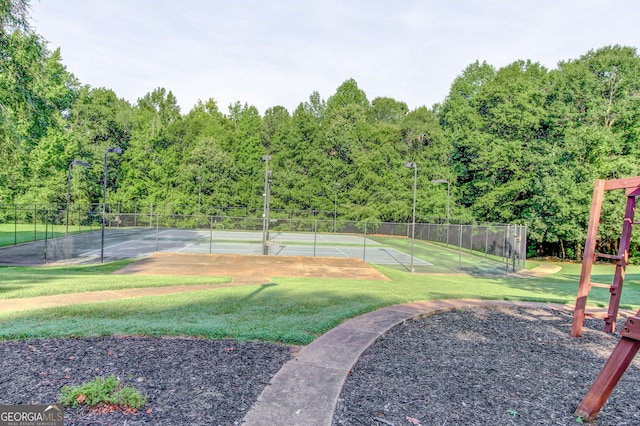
(485, 367)
(187, 381)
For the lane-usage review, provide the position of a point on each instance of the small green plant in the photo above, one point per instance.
(513, 413)
(579, 419)
(102, 391)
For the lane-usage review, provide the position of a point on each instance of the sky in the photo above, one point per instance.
(278, 52)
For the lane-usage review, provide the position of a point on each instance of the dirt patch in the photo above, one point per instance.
(543, 270)
(246, 268)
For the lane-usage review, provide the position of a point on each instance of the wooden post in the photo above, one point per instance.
(588, 258)
(621, 264)
(613, 369)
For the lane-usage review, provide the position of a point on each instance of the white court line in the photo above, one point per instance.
(343, 253)
(106, 247)
(185, 247)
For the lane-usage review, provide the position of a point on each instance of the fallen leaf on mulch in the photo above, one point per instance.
(413, 421)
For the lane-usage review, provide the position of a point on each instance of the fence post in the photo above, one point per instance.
(210, 233)
(448, 227)
(486, 241)
(521, 252)
(315, 235)
(157, 228)
(364, 249)
(513, 250)
(526, 237)
(46, 232)
(459, 247)
(505, 252)
(15, 224)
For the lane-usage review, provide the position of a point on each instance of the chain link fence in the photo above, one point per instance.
(57, 233)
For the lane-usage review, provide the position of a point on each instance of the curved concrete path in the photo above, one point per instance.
(306, 389)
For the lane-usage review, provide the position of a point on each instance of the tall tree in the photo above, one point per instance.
(462, 123)
(152, 158)
(35, 93)
(14, 16)
(595, 107)
(348, 93)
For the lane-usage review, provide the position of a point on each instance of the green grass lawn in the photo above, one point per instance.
(11, 234)
(27, 281)
(288, 310)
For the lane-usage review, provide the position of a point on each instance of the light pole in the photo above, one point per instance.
(104, 197)
(448, 193)
(411, 164)
(335, 207)
(265, 212)
(199, 179)
(448, 201)
(73, 163)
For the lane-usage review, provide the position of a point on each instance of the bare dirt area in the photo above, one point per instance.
(247, 268)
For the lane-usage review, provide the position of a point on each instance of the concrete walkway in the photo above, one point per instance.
(306, 389)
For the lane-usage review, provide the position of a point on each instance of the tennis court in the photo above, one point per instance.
(251, 243)
(439, 247)
(141, 242)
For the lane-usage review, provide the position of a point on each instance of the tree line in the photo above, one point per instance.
(520, 144)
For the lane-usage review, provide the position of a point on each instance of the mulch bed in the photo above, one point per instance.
(187, 381)
(485, 366)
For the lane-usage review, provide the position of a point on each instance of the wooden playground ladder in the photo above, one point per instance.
(629, 342)
(632, 188)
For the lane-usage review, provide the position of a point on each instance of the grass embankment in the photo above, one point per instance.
(28, 281)
(288, 310)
